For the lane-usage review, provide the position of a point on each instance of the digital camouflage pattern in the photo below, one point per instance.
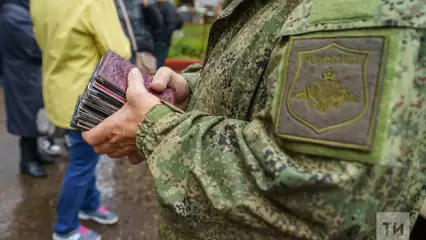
(221, 172)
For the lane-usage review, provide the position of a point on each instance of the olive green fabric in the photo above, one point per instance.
(381, 120)
(338, 11)
(221, 171)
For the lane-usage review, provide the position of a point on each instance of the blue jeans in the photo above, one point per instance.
(79, 191)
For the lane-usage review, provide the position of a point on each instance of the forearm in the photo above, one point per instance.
(236, 169)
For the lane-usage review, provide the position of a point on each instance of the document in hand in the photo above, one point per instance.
(106, 92)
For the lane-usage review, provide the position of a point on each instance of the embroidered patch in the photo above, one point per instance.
(331, 90)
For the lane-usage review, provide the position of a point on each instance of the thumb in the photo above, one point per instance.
(135, 82)
(161, 79)
(98, 134)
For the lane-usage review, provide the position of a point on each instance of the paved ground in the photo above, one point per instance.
(27, 205)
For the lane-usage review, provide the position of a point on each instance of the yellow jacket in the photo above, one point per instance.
(73, 36)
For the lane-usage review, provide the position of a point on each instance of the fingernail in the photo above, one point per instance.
(134, 73)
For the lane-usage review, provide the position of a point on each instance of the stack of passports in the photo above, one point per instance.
(106, 92)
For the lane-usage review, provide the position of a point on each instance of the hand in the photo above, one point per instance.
(116, 135)
(166, 77)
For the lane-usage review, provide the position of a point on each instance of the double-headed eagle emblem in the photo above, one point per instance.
(326, 93)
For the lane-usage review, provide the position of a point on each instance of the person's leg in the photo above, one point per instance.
(92, 199)
(92, 208)
(133, 57)
(160, 53)
(79, 175)
(29, 156)
(166, 52)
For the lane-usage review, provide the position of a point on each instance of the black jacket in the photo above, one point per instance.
(172, 21)
(153, 22)
(144, 20)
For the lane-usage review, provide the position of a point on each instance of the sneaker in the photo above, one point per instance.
(101, 215)
(49, 146)
(82, 233)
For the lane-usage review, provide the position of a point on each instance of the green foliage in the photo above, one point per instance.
(177, 3)
(191, 46)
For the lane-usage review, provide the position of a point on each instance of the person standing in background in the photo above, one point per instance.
(144, 18)
(163, 38)
(73, 36)
(22, 81)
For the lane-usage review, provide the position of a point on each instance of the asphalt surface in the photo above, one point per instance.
(27, 205)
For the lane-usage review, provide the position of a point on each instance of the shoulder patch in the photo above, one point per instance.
(331, 90)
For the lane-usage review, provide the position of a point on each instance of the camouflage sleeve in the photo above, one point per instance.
(215, 175)
(192, 74)
(220, 177)
(217, 165)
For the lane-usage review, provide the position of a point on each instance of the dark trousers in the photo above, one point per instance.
(133, 58)
(79, 191)
(29, 151)
(161, 50)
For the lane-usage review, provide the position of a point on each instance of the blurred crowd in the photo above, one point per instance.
(151, 25)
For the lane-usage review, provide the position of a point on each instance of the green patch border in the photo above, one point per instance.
(379, 134)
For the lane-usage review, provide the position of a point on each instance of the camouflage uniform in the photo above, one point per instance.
(227, 168)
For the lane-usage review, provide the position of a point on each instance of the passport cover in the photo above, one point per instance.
(113, 71)
(105, 92)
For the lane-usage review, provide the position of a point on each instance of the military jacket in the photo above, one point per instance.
(307, 121)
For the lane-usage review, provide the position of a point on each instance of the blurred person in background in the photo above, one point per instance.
(144, 18)
(172, 21)
(73, 36)
(22, 82)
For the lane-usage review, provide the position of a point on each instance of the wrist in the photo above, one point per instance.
(149, 104)
(158, 112)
